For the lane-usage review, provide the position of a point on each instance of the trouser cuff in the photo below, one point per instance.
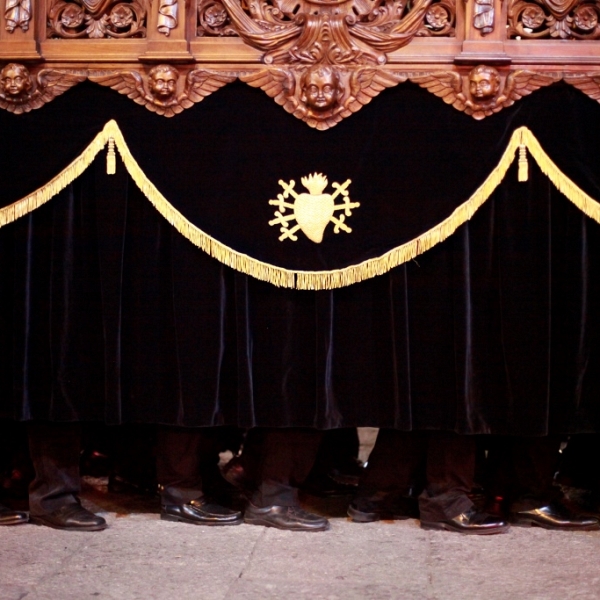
(443, 507)
(275, 494)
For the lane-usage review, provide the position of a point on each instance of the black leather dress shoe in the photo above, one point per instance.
(201, 512)
(12, 517)
(290, 518)
(71, 517)
(555, 516)
(473, 522)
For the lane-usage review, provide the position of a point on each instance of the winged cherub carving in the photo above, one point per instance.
(322, 95)
(588, 83)
(327, 31)
(20, 92)
(481, 93)
(160, 90)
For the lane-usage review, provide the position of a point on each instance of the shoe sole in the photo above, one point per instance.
(534, 523)
(16, 520)
(266, 523)
(358, 516)
(39, 521)
(175, 519)
(446, 527)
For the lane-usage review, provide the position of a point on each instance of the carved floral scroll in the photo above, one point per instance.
(563, 19)
(96, 19)
(327, 31)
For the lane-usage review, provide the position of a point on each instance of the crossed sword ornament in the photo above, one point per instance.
(312, 219)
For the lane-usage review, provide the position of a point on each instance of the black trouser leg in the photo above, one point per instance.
(579, 466)
(287, 456)
(534, 461)
(440, 464)
(396, 464)
(178, 459)
(450, 472)
(54, 449)
(134, 452)
(337, 450)
(251, 455)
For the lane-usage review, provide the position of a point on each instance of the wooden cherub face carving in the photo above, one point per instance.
(162, 81)
(321, 89)
(16, 81)
(484, 83)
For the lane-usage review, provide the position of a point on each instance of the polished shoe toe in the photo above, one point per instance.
(71, 517)
(473, 521)
(290, 518)
(555, 516)
(12, 517)
(201, 512)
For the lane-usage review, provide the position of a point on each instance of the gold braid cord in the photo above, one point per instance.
(305, 280)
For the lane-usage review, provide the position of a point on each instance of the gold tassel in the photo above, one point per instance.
(523, 165)
(111, 159)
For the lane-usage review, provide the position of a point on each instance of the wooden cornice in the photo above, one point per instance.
(321, 60)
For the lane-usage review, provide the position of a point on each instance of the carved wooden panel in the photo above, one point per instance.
(562, 19)
(321, 60)
(327, 31)
(439, 19)
(96, 19)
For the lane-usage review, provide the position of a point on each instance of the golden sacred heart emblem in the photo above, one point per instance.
(312, 211)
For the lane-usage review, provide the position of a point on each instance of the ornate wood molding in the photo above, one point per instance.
(319, 95)
(97, 19)
(327, 31)
(563, 19)
(321, 60)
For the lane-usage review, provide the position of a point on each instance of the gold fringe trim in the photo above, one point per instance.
(306, 280)
(563, 184)
(318, 280)
(29, 203)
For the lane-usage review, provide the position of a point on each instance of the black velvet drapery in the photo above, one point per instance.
(108, 313)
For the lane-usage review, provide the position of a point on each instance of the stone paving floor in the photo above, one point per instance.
(141, 557)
